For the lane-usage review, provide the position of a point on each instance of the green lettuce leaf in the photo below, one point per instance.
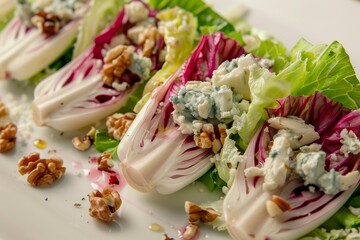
(103, 142)
(53, 67)
(212, 180)
(268, 48)
(329, 70)
(133, 99)
(178, 27)
(99, 16)
(205, 15)
(5, 19)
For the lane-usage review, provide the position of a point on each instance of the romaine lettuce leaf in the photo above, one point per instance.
(178, 28)
(103, 142)
(329, 70)
(205, 15)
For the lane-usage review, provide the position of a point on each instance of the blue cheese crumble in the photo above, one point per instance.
(290, 154)
(235, 74)
(350, 143)
(200, 102)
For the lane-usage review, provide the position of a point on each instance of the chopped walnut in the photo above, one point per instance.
(276, 206)
(148, 40)
(117, 60)
(85, 142)
(7, 137)
(197, 213)
(211, 137)
(48, 23)
(4, 111)
(118, 124)
(166, 237)
(190, 231)
(104, 204)
(41, 172)
(104, 161)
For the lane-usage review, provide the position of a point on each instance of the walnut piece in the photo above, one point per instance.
(166, 237)
(276, 206)
(48, 23)
(197, 213)
(7, 137)
(85, 142)
(41, 172)
(211, 137)
(118, 124)
(104, 161)
(148, 40)
(104, 204)
(4, 111)
(190, 231)
(117, 60)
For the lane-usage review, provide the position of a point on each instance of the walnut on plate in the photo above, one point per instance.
(4, 111)
(211, 136)
(197, 213)
(84, 143)
(7, 137)
(103, 205)
(104, 161)
(41, 172)
(117, 124)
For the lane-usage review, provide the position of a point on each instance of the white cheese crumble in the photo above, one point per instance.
(308, 163)
(136, 12)
(21, 114)
(200, 102)
(235, 74)
(350, 143)
(355, 211)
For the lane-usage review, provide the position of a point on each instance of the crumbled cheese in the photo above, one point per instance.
(276, 165)
(21, 114)
(235, 74)
(200, 102)
(120, 86)
(355, 211)
(303, 133)
(140, 66)
(311, 167)
(136, 11)
(350, 143)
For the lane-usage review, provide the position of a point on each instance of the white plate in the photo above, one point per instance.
(49, 213)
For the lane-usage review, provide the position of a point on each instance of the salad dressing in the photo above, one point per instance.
(39, 143)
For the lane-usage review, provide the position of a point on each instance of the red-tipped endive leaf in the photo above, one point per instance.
(25, 51)
(154, 154)
(75, 96)
(245, 203)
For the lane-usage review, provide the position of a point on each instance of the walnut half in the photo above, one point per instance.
(211, 136)
(104, 204)
(197, 213)
(41, 172)
(118, 124)
(104, 161)
(4, 111)
(7, 137)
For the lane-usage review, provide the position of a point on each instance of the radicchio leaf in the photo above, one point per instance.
(245, 203)
(76, 96)
(154, 154)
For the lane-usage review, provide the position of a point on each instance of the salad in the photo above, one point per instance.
(35, 28)
(176, 95)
